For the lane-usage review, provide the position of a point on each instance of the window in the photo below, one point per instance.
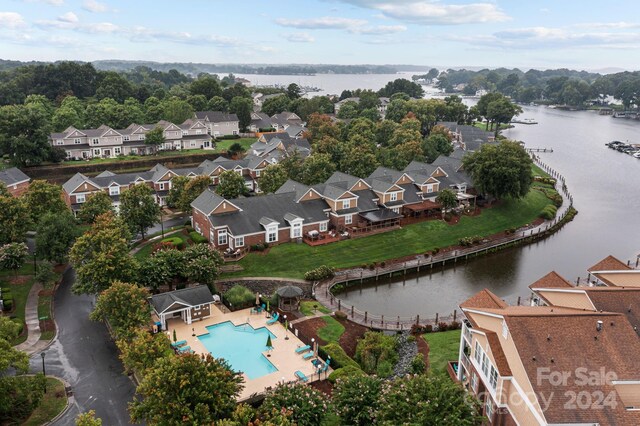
(80, 198)
(488, 408)
(323, 227)
(474, 381)
(222, 237)
(239, 242)
(429, 188)
(125, 138)
(257, 173)
(272, 234)
(59, 142)
(161, 186)
(477, 353)
(348, 219)
(77, 141)
(140, 137)
(493, 377)
(114, 190)
(117, 150)
(94, 141)
(96, 152)
(296, 230)
(193, 144)
(485, 364)
(346, 204)
(185, 132)
(198, 132)
(393, 196)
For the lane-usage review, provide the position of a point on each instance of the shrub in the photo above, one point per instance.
(188, 222)
(375, 348)
(197, 238)
(354, 396)
(345, 372)
(239, 297)
(320, 273)
(455, 325)
(227, 137)
(189, 229)
(266, 129)
(549, 212)
(339, 357)
(417, 364)
(421, 329)
(340, 315)
(307, 405)
(448, 216)
(257, 247)
(174, 242)
(443, 326)
(435, 251)
(384, 370)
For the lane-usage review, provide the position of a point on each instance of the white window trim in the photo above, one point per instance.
(348, 219)
(114, 190)
(323, 227)
(346, 204)
(393, 196)
(222, 237)
(80, 198)
(239, 242)
(272, 231)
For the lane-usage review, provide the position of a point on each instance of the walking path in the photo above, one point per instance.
(305, 318)
(33, 343)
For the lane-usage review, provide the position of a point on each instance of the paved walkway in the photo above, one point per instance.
(33, 343)
(306, 318)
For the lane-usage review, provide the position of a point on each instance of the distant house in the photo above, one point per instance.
(15, 180)
(275, 146)
(469, 138)
(261, 122)
(189, 304)
(219, 123)
(383, 103)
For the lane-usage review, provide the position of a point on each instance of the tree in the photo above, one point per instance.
(191, 191)
(402, 85)
(236, 149)
(294, 91)
(13, 256)
(435, 145)
(348, 110)
(629, 92)
(124, 306)
(424, 400)
(175, 192)
(88, 419)
(447, 199)
(186, 389)
(202, 263)
(24, 131)
(307, 405)
(275, 105)
(42, 198)
(15, 220)
(45, 274)
(154, 271)
(138, 208)
(142, 350)
(206, 86)
(371, 114)
(355, 397)
(218, 103)
(230, 184)
(358, 161)
(176, 110)
(114, 86)
(55, 235)
(174, 261)
(242, 107)
(502, 170)
(375, 348)
(272, 178)
(155, 138)
(96, 204)
(502, 111)
(483, 104)
(317, 168)
(101, 256)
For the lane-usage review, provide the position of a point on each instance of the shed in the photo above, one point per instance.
(289, 297)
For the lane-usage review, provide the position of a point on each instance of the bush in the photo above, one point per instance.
(443, 326)
(197, 238)
(258, 247)
(455, 325)
(354, 398)
(189, 229)
(307, 406)
(375, 348)
(239, 297)
(549, 212)
(266, 129)
(421, 329)
(320, 273)
(340, 315)
(188, 223)
(339, 357)
(448, 216)
(417, 364)
(227, 137)
(345, 372)
(384, 370)
(174, 242)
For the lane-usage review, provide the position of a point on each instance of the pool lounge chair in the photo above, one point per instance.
(308, 355)
(300, 375)
(302, 349)
(273, 320)
(184, 349)
(179, 343)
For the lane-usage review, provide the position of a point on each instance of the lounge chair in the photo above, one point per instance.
(179, 343)
(302, 349)
(308, 355)
(273, 320)
(184, 349)
(300, 375)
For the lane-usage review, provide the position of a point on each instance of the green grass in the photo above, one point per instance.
(307, 308)
(125, 158)
(293, 260)
(483, 126)
(443, 347)
(20, 292)
(537, 171)
(332, 331)
(51, 405)
(223, 145)
(146, 250)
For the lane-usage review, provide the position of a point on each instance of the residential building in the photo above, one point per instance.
(468, 138)
(549, 365)
(190, 304)
(219, 123)
(261, 122)
(15, 181)
(275, 146)
(383, 103)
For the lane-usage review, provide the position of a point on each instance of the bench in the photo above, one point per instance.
(300, 375)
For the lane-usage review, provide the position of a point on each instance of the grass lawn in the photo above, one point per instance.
(51, 405)
(146, 250)
(443, 347)
(223, 145)
(19, 293)
(307, 308)
(293, 260)
(332, 331)
(537, 171)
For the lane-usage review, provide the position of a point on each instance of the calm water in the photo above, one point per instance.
(606, 188)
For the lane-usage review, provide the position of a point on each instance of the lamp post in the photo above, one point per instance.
(313, 345)
(35, 265)
(44, 372)
(286, 328)
(193, 332)
(161, 223)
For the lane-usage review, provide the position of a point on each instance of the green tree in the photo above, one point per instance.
(358, 161)
(88, 419)
(384, 132)
(307, 405)
(56, 233)
(101, 256)
(272, 178)
(502, 170)
(175, 192)
(154, 272)
(124, 306)
(402, 85)
(355, 399)
(154, 138)
(348, 110)
(483, 105)
(294, 91)
(502, 111)
(96, 204)
(191, 191)
(317, 168)
(45, 274)
(24, 131)
(202, 263)
(174, 261)
(142, 350)
(9, 356)
(186, 389)
(218, 103)
(275, 105)
(375, 348)
(447, 198)
(15, 219)
(397, 110)
(206, 86)
(423, 400)
(176, 110)
(114, 86)
(42, 198)
(138, 209)
(198, 102)
(235, 150)
(371, 114)
(435, 145)
(230, 184)
(13, 256)
(242, 107)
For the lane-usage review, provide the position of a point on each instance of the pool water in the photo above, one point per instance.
(241, 346)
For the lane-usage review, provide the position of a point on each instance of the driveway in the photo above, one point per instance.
(84, 355)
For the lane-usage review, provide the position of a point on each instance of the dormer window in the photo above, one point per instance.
(393, 196)
(272, 234)
(185, 132)
(346, 204)
(94, 141)
(125, 138)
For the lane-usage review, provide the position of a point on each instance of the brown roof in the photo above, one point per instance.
(565, 342)
(485, 300)
(551, 280)
(498, 354)
(609, 263)
(619, 300)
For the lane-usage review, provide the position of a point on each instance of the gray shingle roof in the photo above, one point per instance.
(216, 116)
(192, 296)
(343, 177)
(207, 201)
(410, 195)
(75, 181)
(292, 186)
(13, 176)
(385, 173)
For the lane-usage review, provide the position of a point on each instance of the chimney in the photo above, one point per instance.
(599, 326)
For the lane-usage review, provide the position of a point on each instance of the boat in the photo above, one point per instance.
(524, 121)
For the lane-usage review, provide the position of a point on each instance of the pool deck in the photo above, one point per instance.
(283, 355)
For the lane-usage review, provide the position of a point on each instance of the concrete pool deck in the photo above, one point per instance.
(283, 356)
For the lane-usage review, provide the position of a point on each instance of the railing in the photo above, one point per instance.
(324, 295)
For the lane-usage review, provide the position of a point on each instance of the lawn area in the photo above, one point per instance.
(332, 331)
(537, 171)
(309, 307)
(293, 260)
(19, 293)
(51, 405)
(146, 250)
(443, 347)
(223, 145)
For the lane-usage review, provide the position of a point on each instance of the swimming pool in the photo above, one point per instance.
(241, 346)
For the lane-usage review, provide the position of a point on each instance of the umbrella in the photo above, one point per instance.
(257, 299)
(269, 344)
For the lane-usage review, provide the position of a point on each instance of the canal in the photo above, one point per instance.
(606, 189)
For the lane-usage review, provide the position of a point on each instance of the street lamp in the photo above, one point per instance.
(286, 328)
(161, 223)
(44, 372)
(193, 331)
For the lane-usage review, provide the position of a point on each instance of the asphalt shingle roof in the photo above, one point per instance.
(191, 296)
(12, 176)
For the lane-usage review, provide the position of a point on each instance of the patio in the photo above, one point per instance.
(282, 356)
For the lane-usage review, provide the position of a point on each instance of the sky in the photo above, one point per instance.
(579, 34)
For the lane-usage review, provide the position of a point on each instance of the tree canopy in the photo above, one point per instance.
(125, 306)
(230, 184)
(138, 208)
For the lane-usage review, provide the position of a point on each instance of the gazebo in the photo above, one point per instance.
(289, 297)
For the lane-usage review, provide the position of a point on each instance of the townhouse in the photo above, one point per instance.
(283, 122)
(15, 181)
(219, 123)
(468, 138)
(276, 146)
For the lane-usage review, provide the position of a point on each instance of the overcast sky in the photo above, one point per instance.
(583, 34)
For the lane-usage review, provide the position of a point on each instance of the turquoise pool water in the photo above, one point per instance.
(241, 346)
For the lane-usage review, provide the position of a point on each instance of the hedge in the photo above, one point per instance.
(239, 297)
(549, 212)
(175, 241)
(197, 238)
(348, 371)
(320, 273)
(339, 357)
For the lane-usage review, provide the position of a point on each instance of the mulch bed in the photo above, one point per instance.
(19, 280)
(310, 328)
(45, 292)
(47, 325)
(423, 348)
(323, 386)
(352, 333)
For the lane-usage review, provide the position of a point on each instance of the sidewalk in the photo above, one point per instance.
(33, 343)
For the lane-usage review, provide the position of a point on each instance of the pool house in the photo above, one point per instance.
(189, 304)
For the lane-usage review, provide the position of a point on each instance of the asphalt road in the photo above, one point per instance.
(84, 355)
